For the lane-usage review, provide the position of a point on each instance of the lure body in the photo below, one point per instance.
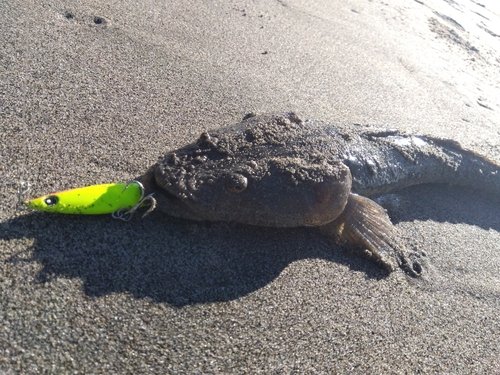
(90, 200)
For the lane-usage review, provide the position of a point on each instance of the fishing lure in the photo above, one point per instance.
(119, 199)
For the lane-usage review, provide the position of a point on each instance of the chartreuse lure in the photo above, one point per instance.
(119, 199)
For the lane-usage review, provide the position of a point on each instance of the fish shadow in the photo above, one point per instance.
(179, 262)
(182, 262)
(446, 204)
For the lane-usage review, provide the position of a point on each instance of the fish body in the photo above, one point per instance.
(278, 170)
(89, 200)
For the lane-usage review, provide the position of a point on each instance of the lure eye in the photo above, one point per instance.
(50, 201)
(236, 183)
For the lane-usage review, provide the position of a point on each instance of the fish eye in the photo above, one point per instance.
(50, 201)
(236, 183)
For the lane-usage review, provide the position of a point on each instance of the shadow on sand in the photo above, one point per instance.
(183, 262)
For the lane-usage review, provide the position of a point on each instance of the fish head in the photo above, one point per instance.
(249, 173)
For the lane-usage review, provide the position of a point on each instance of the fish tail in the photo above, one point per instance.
(469, 169)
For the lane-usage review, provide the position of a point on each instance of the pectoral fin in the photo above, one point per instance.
(365, 224)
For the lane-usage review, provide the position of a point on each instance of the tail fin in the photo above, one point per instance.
(469, 169)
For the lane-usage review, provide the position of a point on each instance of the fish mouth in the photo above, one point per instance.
(165, 194)
(174, 206)
(167, 201)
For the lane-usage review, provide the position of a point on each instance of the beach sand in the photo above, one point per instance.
(94, 92)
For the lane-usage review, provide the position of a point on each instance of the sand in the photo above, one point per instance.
(94, 92)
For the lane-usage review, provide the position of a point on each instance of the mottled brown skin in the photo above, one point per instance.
(277, 170)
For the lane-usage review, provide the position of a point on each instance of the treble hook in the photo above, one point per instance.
(123, 214)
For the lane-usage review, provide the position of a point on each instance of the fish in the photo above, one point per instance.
(277, 170)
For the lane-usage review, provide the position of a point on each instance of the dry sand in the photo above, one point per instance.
(95, 91)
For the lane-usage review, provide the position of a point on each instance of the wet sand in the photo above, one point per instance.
(95, 92)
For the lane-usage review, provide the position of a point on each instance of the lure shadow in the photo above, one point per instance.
(183, 262)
